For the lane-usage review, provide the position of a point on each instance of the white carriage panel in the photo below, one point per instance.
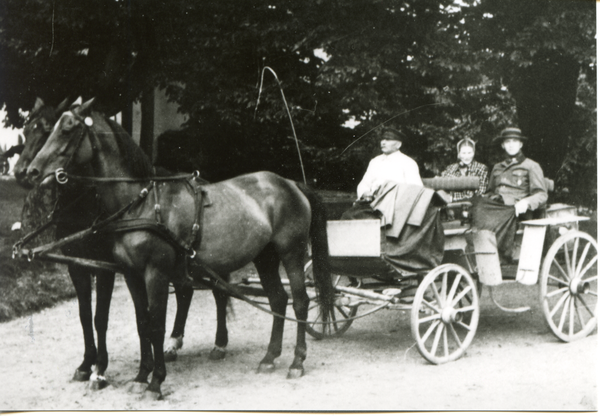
(486, 257)
(531, 254)
(354, 238)
(455, 242)
(556, 220)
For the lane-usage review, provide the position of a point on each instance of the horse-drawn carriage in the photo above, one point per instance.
(444, 301)
(153, 225)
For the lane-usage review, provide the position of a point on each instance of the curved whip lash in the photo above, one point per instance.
(286, 109)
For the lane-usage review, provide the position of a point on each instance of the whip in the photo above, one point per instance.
(286, 109)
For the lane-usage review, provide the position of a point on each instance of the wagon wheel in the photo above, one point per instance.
(340, 317)
(445, 313)
(569, 286)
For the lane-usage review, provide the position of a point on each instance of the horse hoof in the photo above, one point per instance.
(98, 384)
(152, 395)
(265, 368)
(136, 387)
(217, 354)
(170, 356)
(81, 375)
(294, 373)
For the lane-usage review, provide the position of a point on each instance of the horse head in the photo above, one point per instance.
(36, 130)
(68, 144)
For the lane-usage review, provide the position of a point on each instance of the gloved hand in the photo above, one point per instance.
(521, 207)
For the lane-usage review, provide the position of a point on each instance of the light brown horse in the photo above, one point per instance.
(260, 218)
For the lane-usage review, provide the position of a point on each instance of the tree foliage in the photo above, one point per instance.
(438, 70)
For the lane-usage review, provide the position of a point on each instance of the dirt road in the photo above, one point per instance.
(514, 363)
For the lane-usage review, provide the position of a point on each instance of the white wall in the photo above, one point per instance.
(166, 116)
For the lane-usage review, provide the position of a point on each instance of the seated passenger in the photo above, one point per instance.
(467, 166)
(392, 191)
(516, 189)
(392, 166)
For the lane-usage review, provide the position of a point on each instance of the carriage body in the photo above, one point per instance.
(444, 301)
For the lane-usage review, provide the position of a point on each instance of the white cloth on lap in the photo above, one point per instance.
(395, 167)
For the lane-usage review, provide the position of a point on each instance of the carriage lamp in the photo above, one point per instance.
(466, 213)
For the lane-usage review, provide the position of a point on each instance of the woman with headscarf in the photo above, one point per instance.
(467, 166)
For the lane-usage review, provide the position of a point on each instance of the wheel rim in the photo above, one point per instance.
(569, 286)
(337, 322)
(327, 325)
(445, 314)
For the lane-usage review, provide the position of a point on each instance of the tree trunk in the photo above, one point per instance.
(127, 118)
(147, 123)
(545, 93)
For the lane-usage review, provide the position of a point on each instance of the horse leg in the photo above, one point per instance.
(157, 288)
(137, 289)
(80, 276)
(183, 294)
(222, 338)
(105, 282)
(267, 265)
(294, 267)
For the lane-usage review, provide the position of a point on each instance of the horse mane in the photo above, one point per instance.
(139, 163)
(46, 112)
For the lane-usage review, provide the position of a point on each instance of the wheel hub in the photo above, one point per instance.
(451, 315)
(577, 286)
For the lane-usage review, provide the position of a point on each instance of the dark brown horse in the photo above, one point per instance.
(258, 217)
(79, 216)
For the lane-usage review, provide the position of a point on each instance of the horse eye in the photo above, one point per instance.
(68, 124)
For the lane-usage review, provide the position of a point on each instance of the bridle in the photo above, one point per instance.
(60, 174)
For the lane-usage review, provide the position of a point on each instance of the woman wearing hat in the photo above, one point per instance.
(467, 166)
(516, 189)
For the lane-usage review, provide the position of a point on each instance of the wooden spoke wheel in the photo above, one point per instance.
(445, 313)
(569, 286)
(338, 320)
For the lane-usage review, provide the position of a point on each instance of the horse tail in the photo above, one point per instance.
(320, 249)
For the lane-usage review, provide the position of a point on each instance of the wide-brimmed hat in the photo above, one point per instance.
(510, 133)
(393, 134)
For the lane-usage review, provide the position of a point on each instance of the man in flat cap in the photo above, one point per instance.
(516, 188)
(392, 191)
(391, 166)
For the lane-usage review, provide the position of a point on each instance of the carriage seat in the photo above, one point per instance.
(472, 183)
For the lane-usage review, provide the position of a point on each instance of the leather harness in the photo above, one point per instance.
(156, 225)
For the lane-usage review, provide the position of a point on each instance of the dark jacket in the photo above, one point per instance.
(517, 179)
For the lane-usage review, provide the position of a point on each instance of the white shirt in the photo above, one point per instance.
(395, 167)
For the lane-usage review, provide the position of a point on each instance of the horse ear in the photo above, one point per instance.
(39, 103)
(62, 106)
(86, 107)
(78, 101)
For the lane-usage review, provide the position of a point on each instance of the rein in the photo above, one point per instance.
(63, 176)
